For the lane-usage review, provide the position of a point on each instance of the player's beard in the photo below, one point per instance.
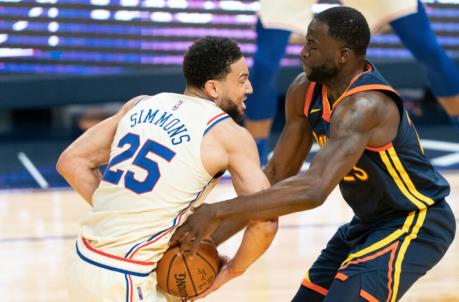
(322, 73)
(232, 109)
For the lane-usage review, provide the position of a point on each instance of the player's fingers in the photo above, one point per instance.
(195, 245)
(182, 234)
(186, 244)
(177, 237)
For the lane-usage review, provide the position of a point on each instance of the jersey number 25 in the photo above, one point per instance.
(141, 160)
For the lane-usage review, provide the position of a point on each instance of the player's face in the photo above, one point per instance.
(319, 53)
(235, 89)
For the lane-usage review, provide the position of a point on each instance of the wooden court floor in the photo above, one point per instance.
(37, 229)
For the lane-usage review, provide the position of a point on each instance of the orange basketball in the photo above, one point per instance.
(188, 277)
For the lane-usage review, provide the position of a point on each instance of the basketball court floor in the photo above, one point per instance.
(38, 228)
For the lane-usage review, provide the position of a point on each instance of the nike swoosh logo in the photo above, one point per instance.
(315, 110)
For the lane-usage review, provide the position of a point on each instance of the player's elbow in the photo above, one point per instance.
(63, 163)
(66, 163)
(302, 193)
(312, 197)
(318, 198)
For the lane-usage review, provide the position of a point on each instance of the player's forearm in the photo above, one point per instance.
(257, 239)
(279, 168)
(87, 184)
(275, 173)
(295, 194)
(81, 177)
(227, 229)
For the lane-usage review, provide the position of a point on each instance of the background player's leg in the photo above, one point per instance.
(262, 104)
(314, 286)
(441, 70)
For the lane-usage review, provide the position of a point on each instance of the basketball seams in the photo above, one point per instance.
(169, 271)
(211, 267)
(176, 266)
(189, 273)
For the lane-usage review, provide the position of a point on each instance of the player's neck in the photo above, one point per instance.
(337, 85)
(198, 93)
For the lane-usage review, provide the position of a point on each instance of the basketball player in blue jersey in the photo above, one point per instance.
(402, 224)
(164, 153)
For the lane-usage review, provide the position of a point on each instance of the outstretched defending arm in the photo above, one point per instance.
(355, 124)
(291, 150)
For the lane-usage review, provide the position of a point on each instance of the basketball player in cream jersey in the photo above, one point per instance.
(164, 153)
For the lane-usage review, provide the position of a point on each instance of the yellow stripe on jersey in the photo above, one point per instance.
(385, 241)
(402, 251)
(307, 278)
(415, 132)
(398, 181)
(406, 178)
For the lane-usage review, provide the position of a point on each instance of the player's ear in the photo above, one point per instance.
(211, 89)
(344, 55)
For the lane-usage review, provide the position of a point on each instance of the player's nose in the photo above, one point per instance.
(248, 89)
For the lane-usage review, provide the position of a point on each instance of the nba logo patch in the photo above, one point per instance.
(139, 292)
(176, 106)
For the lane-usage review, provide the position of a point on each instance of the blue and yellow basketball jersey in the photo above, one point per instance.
(387, 180)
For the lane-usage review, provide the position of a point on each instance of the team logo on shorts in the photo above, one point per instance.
(139, 292)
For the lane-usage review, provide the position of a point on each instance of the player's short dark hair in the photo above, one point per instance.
(209, 58)
(347, 25)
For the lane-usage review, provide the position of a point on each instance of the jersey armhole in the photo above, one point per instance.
(215, 120)
(379, 149)
(309, 95)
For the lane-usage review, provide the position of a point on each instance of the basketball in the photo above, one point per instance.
(188, 277)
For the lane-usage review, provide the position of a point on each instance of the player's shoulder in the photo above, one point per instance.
(230, 136)
(368, 102)
(296, 94)
(223, 141)
(366, 108)
(231, 132)
(299, 86)
(133, 102)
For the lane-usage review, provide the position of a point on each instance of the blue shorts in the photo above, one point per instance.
(379, 261)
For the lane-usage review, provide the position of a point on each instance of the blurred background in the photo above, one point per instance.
(65, 65)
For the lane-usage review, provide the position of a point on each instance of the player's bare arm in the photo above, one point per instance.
(79, 163)
(247, 177)
(360, 121)
(292, 148)
(295, 140)
(219, 154)
(240, 157)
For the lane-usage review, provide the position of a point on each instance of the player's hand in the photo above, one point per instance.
(224, 275)
(202, 223)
